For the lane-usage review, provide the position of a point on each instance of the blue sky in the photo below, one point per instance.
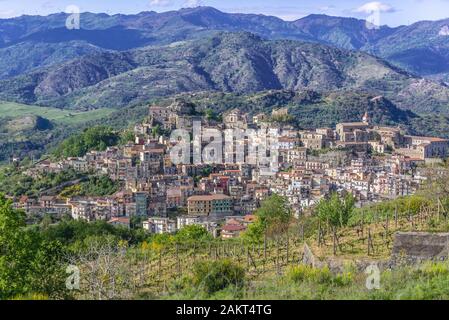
(392, 12)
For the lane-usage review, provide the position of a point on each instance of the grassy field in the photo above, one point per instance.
(424, 282)
(13, 110)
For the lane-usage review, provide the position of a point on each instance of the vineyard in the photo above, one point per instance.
(372, 235)
(153, 268)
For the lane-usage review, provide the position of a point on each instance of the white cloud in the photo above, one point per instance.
(193, 3)
(7, 14)
(375, 6)
(160, 3)
(326, 8)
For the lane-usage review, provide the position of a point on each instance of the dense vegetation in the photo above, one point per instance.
(96, 138)
(72, 233)
(13, 182)
(95, 186)
(29, 263)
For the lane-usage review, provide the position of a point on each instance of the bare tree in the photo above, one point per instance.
(105, 273)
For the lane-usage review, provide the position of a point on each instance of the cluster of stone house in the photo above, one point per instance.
(372, 162)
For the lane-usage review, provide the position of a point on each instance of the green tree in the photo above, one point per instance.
(15, 250)
(193, 233)
(273, 217)
(160, 240)
(28, 265)
(255, 232)
(126, 137)
(336, 210)
(46, 221)
(211, 115)
(69, 232)
(47, 270)
(95, 138)
(156, 131)
(99, 186)
(72, 191)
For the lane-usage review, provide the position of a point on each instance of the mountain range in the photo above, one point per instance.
(35, 41)
(229, 62)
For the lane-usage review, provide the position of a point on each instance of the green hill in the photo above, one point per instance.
(27, 130)
(14, 110)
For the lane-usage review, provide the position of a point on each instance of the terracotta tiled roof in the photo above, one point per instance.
(354, 124)
(233, 227)
(209, 197)
(249, 218)
(120, 219)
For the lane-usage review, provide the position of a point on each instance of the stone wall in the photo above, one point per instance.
(415, 247)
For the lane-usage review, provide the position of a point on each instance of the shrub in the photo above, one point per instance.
(213, 276)
(32, 296)
(303, 273)
(343, 279)
(159, 241)
(435, 269)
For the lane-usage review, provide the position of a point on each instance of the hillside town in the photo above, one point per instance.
(372, 162)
